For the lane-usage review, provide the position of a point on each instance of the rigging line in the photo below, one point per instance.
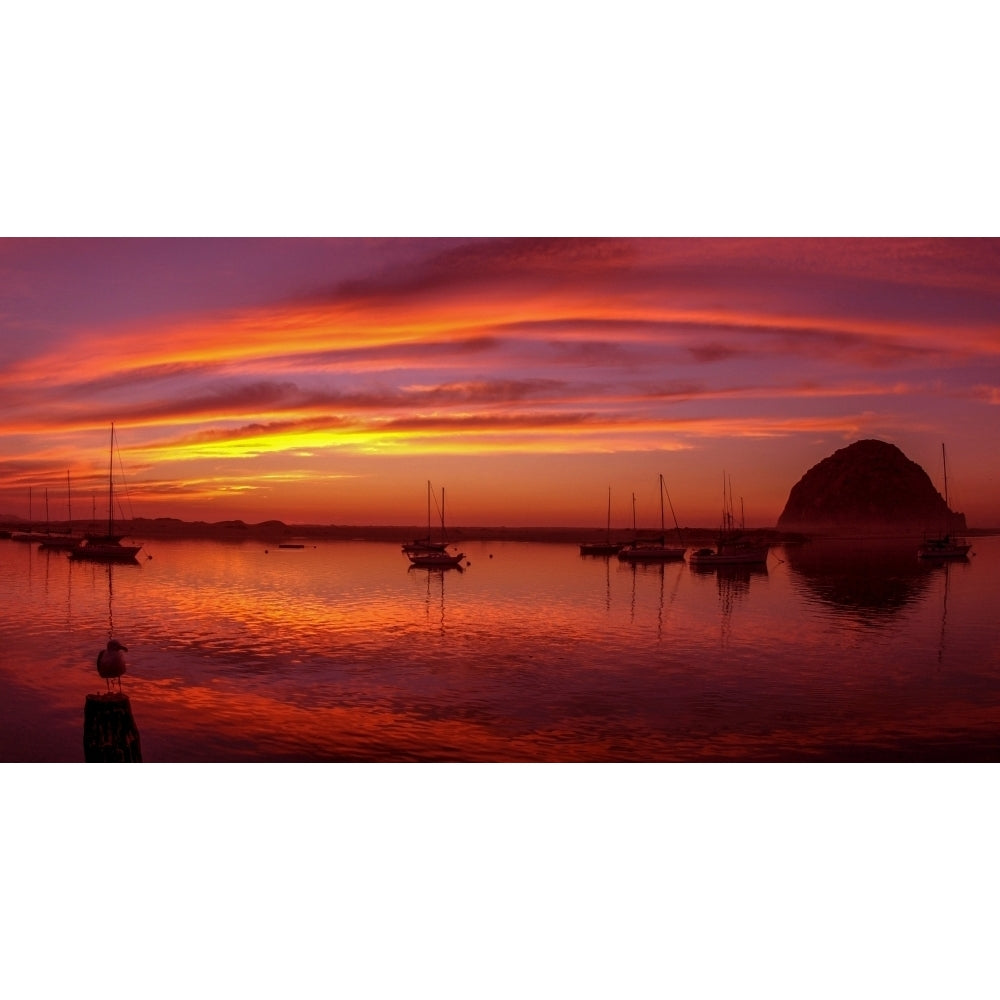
(128, 496)
(440, 513)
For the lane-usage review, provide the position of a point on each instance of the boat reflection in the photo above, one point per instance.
(435, 590)
(733, 585)
(874, 579)
(659, 571)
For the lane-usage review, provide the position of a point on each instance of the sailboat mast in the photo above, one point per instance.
(111, 484)
(662, 529)
(944, 463)
(69, 502)
(609, 513)
(673, 513)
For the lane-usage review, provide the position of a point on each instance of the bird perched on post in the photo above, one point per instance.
(111, 663)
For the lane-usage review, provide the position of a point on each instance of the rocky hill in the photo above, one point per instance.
(869, 487)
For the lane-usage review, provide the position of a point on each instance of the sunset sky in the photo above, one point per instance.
(326, 381)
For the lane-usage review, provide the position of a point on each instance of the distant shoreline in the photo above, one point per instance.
(277, 531)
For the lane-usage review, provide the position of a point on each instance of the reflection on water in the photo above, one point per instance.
(870, 578)
(342, 651)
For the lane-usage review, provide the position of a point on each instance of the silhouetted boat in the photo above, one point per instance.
(605, 548)
(945, 545)
(656, 550)
(419, 545)
(30, 535)
(54, 540)
(436, 560)
(432, 555)
(107, 548)
(732, 547)
(27, 536)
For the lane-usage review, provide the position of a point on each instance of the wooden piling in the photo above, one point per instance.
(110, 734)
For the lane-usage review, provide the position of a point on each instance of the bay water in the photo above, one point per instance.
(851, 650)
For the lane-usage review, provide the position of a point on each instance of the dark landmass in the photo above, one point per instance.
(868, 488)
(276, 532)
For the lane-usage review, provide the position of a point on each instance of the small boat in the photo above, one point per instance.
(656, 550)
(945, 545)
(436, 560)
(730, 552)
(60, 542)
(419, 545)
(433, 555)
(30, 535)
(107, 548)
(732, 548)
(605, 548)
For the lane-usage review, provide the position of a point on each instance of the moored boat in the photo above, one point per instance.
(104, 548)
(730, 552)
(436, 560)
(432, 555)
(54, 541)
(944, 545)
(656, 550)
(421, 545)
(60, 543)
(30, 535)
(107, 548)
(732, 547)
(605, 548)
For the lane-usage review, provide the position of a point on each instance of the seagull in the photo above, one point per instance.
(111, 663)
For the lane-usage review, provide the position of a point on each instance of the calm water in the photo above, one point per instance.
(533, 652)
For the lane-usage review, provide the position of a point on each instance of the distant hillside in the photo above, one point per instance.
(869, 487)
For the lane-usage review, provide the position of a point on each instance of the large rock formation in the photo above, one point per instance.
(869, 487)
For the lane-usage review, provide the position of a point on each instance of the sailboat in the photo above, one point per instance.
(434, 557)
(946, 545)
(605, 548)
(731, 547)
(107, 548)
(57, 541)
(30, 535)
(656, 550)
(425, 544)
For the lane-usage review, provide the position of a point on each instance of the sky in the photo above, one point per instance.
(328, 380)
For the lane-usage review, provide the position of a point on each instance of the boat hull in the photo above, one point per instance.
(600, 548)
(419, 547)
(944, 550)
(749, 556)
(436, 560)
(105, 553)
